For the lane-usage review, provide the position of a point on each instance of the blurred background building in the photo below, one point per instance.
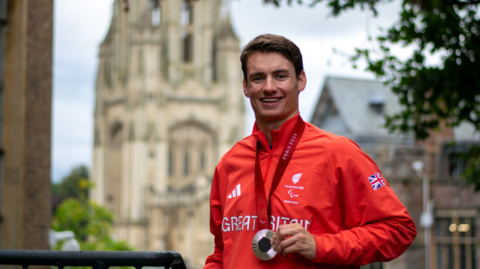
(25, 123)
(356, 109)
(169, 104)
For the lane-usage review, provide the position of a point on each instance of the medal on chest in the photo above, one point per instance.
(261, 245)
(262, 248)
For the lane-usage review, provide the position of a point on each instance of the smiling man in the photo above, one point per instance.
(294, 196)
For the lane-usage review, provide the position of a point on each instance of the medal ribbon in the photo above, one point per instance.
(264, 208)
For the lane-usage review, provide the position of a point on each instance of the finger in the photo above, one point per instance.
(304, 244)
(284, 232)
(273, 242)
(289, 230)
(285, 244)
(298, 243)
(291, 249)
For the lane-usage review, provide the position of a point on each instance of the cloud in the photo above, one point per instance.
(80, 26)
(254, 18)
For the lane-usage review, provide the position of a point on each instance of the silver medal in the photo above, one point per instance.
(261, 245)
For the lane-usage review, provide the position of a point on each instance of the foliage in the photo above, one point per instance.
(91, 223)
(430, 95)
(76, 184)
(472, 172)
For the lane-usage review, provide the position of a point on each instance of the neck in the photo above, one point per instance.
(267, 126)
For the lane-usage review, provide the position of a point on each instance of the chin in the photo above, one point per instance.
(273, 117)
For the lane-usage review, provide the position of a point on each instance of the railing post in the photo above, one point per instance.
(99, 265)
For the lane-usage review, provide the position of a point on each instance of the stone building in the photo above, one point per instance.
(169, 104)
(355, 109)
(26, 32)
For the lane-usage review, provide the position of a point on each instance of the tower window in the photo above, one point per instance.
(187, 48)
(107, 73)
(116, 136)
(202, 159)
(171, 159)
(186, 163)
(140, 62)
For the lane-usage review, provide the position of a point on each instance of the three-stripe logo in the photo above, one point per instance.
(236, 192)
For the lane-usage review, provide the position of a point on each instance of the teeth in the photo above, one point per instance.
(270, 99)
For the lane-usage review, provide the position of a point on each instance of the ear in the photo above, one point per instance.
(302, 81)
(245, 89)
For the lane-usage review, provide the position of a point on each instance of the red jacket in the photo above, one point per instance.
(325, 188)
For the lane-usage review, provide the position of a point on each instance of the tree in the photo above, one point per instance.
(430, 95)
(74, 184)
(91, 223)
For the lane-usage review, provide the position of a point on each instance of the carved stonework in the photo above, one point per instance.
(165, 113)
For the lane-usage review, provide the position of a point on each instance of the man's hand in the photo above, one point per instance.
(293, 238)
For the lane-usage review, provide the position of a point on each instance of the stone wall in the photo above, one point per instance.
(26, 186)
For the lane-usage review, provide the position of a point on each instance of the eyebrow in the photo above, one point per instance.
(255, 74)
(274, 72)
(281, 71)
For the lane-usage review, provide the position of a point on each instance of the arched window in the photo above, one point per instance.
(186, 19)
(171, 161)
(202, 158)
(186, 163)
(140, 62)
(187, 48)
(113, 163)
(192, 146)
(116, 136)
(107, 73)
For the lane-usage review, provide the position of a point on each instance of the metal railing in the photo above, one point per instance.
(94, 259)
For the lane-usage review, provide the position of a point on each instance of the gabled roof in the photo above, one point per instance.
(355, 107)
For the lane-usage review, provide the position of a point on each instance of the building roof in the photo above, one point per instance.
(355, 107)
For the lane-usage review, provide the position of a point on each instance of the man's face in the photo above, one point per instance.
(272, 86)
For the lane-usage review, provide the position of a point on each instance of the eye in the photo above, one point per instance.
(256, 79)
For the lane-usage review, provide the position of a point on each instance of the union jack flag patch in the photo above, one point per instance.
(376, 181)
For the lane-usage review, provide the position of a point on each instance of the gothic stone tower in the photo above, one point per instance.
(169, 104)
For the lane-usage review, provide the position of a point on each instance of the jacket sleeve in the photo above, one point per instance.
(377, 227)
(216, 259)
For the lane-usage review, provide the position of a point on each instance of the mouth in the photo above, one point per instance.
(270, 99)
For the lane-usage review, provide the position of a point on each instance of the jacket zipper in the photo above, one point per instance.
(269, 161)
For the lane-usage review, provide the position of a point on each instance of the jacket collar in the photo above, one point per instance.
(279, 137)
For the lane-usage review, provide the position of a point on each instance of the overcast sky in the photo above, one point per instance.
(80, 26)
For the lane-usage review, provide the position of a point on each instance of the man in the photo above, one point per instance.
(323, 197)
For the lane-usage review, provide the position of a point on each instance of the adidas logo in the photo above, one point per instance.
(236, 192)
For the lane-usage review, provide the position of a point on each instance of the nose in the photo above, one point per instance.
(269, 85)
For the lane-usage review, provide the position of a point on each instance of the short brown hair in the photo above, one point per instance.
(272, 43)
